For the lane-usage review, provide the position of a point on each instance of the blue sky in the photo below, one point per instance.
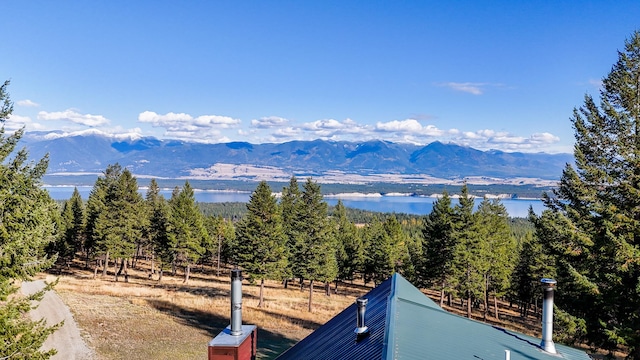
(487, 74)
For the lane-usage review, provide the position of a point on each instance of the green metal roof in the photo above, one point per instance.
(415, 327)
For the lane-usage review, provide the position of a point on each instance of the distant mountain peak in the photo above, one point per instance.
(149, 156)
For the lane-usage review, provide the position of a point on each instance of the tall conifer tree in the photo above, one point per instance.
(26, 228)
(436, 265)
(593, 227)
(350, 248)
(261, 242)
(317, 254)
(187, 228)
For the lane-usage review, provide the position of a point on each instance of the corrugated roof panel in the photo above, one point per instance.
(336, 339)
(421, 332)
(405, 324)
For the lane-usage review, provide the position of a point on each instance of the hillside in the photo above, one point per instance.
(339, 161)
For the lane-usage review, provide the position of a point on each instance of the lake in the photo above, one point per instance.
(417, 205)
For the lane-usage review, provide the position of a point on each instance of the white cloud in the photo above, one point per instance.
(544, 138)
(75, 117)
(269, 122)
(181, 126)
(404, 126)
(287, 132)
(181, 121)
(115, 133)
(468, 87)
(596, 83)
(27, 103)
(15, 122)
(490, 139)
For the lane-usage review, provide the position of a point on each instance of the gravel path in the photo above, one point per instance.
(67, 339)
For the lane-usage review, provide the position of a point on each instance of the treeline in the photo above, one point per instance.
(236, 210)
(465, 254)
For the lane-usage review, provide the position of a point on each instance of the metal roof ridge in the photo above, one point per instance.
(388, 344)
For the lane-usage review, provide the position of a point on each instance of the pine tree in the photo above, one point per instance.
(350, 252)
(317, 254)
(26, 227)
(158, 229)
(119, 225)
(436, 265)
(290, 204)
(261, 242)
(498, 249)
(187, 227)
(96, 207)
(71, 228)
(221, 239)
(467, 253)
(379, 261)
(593, 227)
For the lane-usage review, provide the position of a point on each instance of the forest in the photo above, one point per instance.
(588, 238)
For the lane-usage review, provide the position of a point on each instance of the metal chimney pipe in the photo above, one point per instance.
(362, 309)
(236, 302)
(547, 316)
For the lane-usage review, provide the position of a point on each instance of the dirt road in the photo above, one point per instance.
(67, 339)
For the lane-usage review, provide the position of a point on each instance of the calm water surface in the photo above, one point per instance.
(399, 204)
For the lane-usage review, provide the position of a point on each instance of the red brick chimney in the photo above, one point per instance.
(236, 341)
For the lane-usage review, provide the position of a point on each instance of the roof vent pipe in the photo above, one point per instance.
(361, 329)
(547, 344)
(236, 302)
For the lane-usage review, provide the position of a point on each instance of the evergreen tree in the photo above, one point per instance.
(467, 252)
(379, 261)
(533, 264)
(498, 249)
(187, 226)
(26, 228)
(71, 228)
(436, 265)
(593, 227)
(96, 207)
(119, 225)
(158, 229)
(317, 253)
(350, 252)
(261, 242)
(221, 239)
(290, 204)
(399, 241)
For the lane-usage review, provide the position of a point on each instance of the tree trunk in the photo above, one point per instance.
(219, 250)
(153, 263)
(335, 291)
(286, 283)
(126, 272)
(173, 267)
(187, 272)
(134, 262)
(261, 301)
(469, 304)
(95, 270)
(327, 288)
(486, 298)
(495, 303)
(106, 264)
(442, 295)
(310, 295)
(449, 299)
(160, 275)
(119, 271)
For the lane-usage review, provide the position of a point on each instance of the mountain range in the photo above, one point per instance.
(178, 159)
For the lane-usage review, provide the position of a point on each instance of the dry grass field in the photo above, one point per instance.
(147, 319)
